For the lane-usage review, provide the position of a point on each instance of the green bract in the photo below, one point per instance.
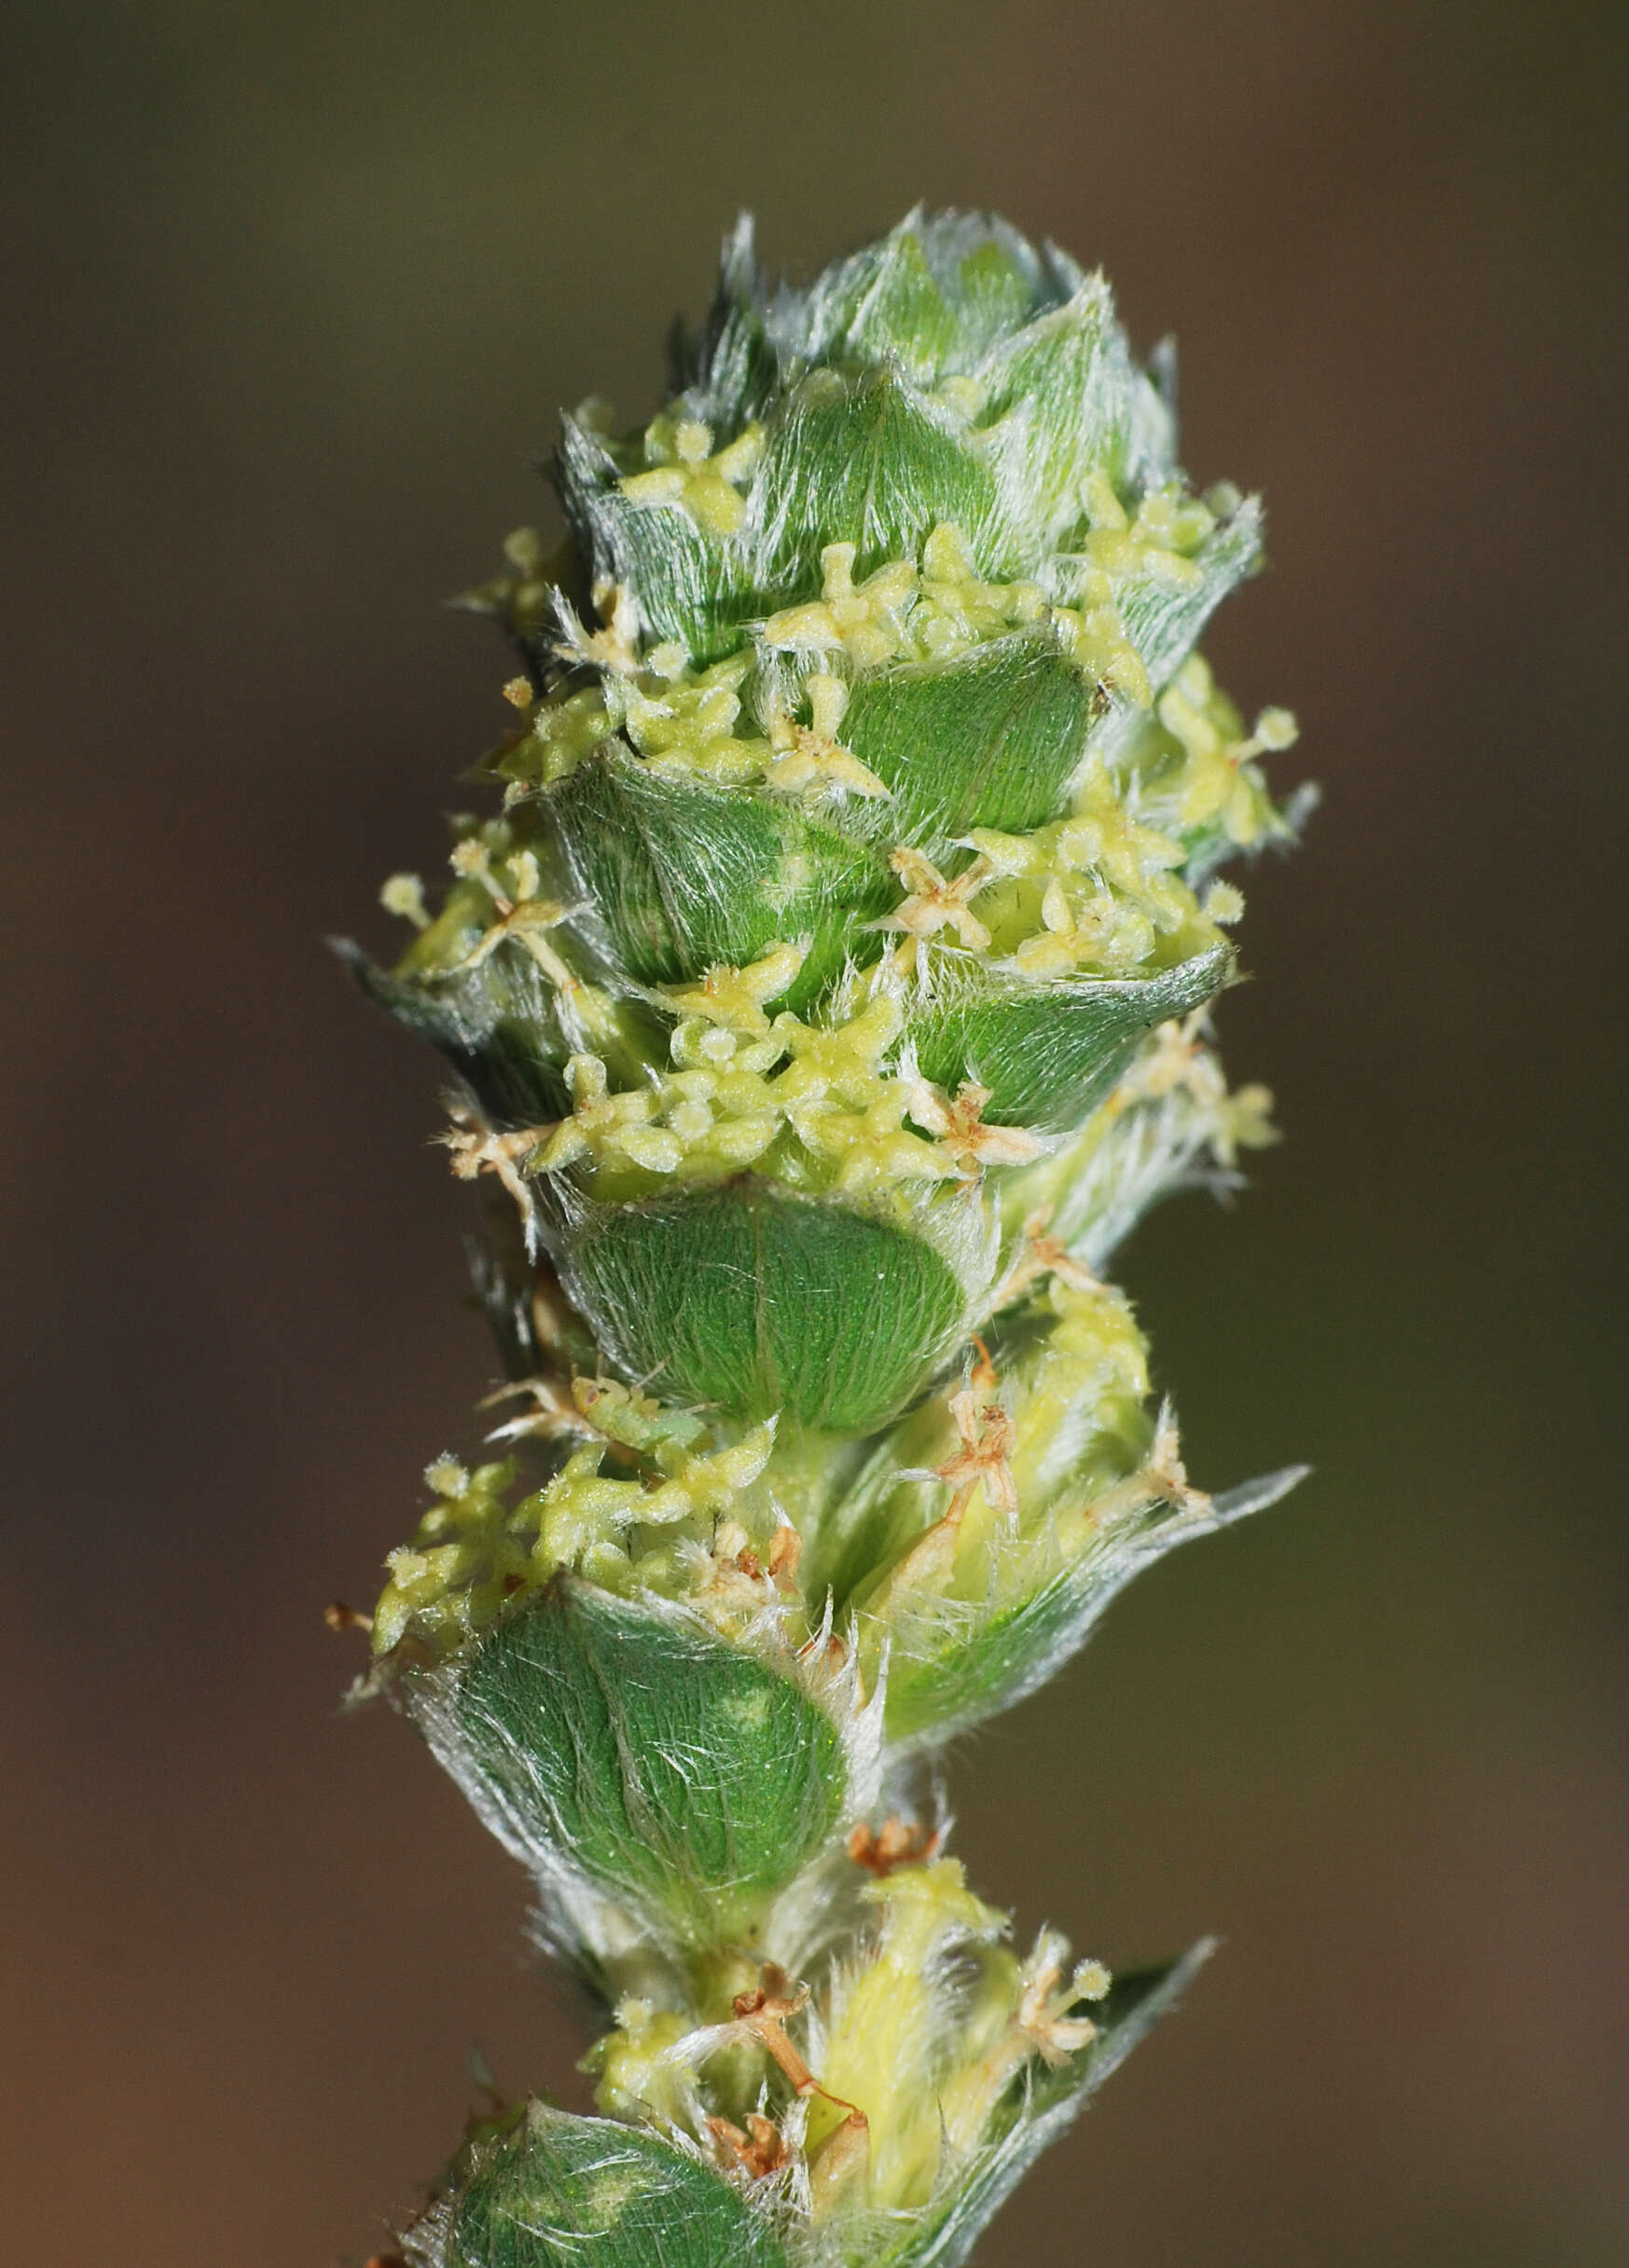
(680, 874)
(628, 1743)
(1049, 1054)
(826, 985)
(559, 2185)
(756, 1300)
(1035, 2110)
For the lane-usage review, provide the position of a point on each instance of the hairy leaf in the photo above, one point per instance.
(680, 876)
(1045, 2105)
(760, 1300)
(990, 739)
(564, 2190)
(1050, 1052)
(870, 463)
(953, 1666)
(689, 1779)
(497, 1024)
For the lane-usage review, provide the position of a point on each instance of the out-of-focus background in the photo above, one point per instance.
(296, 292)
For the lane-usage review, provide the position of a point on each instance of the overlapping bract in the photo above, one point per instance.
(828, 996)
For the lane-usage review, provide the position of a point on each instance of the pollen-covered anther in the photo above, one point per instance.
(1276, 729)
(700, 483)
(1244, 1122)
(864, 621)
(522, 915)
(810, 757)
(404, 895)
(471, 861)
(934, 904)
(1045, 2001)
(760, 2150)
(898, 1842)
(734, 998)
(960, 1126)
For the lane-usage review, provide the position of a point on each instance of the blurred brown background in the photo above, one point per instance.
(296, 289)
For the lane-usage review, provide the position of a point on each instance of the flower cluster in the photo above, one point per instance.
(828, 996)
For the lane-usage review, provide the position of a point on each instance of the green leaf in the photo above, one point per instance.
(688, 585)
(868, 461)
(1060, 404)
(735, 366)
(759, 1300)
(990, 739)
(896, 310)
(946, 1678)
(1048, 1052)
(566, 2191)
(997, 283)
(931, 295)
(497, 1024)
(1164, 620)
(951, 1667)
(1040, 2110)
(681, 876)
(686, 1779)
